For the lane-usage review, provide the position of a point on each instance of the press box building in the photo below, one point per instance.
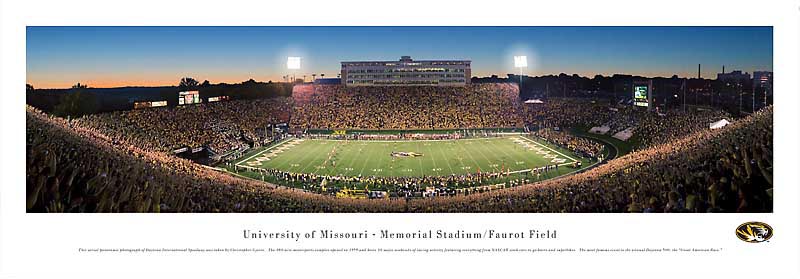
(406, 72)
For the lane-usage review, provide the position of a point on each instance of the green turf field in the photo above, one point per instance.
(437, 158)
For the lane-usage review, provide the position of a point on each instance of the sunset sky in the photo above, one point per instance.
(58, 57)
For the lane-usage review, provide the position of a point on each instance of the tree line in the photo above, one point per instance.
(81, 99)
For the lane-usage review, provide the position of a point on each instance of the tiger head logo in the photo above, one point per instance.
(754, 232)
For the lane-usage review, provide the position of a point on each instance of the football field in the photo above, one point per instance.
(408, 158)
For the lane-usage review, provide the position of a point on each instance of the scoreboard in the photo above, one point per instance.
(642, 93)
(188, 97)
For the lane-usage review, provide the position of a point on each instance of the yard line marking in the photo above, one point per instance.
(421, 169)
(511, 157)
(480, 150)
(470, 156)
(446, 159)
(332, 171)
(302, 160)
(350, 164)
(365, 163)
(430, 155)
(386, 161)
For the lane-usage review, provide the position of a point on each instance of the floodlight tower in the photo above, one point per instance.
(754, 91)
(293, 63)
(520, 62)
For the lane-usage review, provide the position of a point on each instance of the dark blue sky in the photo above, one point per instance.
(120, 56)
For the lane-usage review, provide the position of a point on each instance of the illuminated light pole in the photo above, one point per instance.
(753, 83)
(293, 63)
(520, 62)
(741, 93)
(684, 95)
(765, 94)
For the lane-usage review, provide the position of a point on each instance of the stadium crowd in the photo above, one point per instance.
(584, 147)
(654, 129)
(648, 128)
(220, 126)
(567, 112)
(402, 187)
(338, 107)
(71, 168)
(121, 161)
(723, 170)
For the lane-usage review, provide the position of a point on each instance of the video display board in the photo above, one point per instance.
(188, 97)
(640, 93)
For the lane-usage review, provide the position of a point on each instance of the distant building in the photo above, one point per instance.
(405, 72)
(735, 76)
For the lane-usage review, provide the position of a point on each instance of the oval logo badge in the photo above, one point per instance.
(754, 232)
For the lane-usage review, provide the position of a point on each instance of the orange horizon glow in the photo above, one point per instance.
(142, 82)
(173, 80)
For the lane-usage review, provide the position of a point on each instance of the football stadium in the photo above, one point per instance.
(407, 136)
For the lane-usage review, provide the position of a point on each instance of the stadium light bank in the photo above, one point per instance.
(293, 63)
(520, 62)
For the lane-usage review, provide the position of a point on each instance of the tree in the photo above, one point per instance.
(76, 103)
(29, 88)
(188, 83)
(205, 84)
